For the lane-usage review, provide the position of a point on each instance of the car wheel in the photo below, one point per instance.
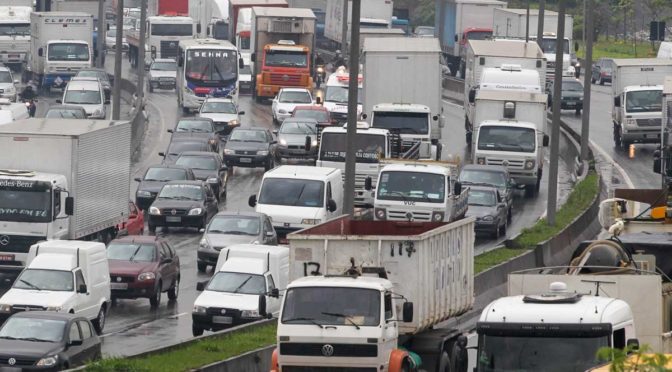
(496, 232)
(174, 291)
(155, 300)
(196, 330)
(502, 229)
(592, 80)
(152, 228)
(202, 266)
(509, 216)
(99, 322)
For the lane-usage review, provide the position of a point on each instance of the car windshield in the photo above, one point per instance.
(82, 97)
(194, 126)
(68, 52)
(572, 86)
(424, 30)
(496, 138)
(412, 186)
(248, 136)
(405, 122)
(219, 107)
(95, 74)
(237, 283)
(284, 58)
(164, 66)
(473, 176)
(484, 198)
(320, 115)
(65, 114)
(235, 225)
(292, 192)
(176, 148)
(332, 306)
(549, 45)
(45, 280)
(34, 329)
(644, 101)
(130, 252)
(298, 127)
(165, 174)
(6, 77)
(186, 192)
(197, 162)
(295, 97)
(339, 94)
(368, 147)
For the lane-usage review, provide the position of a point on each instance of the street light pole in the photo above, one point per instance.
(116, 99)
(540, 22)
(100, 36)
(587, 77)
(141, 53)
(350, 160)
(344, 28)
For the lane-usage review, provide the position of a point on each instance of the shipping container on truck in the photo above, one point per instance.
(459, 21)
(168, 7)
(61, 179)
(373, 14)
(406, 277)
(28, 3)
(234, 8)
(84, 6)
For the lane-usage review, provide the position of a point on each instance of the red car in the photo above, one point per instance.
(135, 225)
(317, 112)
(143, 267)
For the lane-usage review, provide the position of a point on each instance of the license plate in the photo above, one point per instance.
(119, 285)
(245, 160)
(173, 219)
(222, 319)
(6, 257)
(571, 104)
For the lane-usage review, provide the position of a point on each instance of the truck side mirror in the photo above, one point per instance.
(545, 140)
(200, 286)
(241, 63)
(82, 288)
(407, 312)
(368, 184)
(657, 163)
(40, 52)
(274, 293)
(456, 39)
(457, 189)
(309, 141)
(331, 205)
(617, 101)
(633, 343)
(162, 154)
(69, 205)
(169, 130)
(262, 305)
(472, 95)
(253, 57)
(252, 201)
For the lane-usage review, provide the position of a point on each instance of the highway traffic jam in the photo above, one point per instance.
(230, 206)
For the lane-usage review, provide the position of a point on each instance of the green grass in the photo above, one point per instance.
(579, 200)
(198, 354)
(619, 49)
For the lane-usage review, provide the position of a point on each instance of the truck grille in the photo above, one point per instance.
(18, 243)
(285, 79)
(339, 116)
(169, 49)
(339, 350)
(326, 369)
(403, 215)
(169, 211)
(512, 164)
(653, 122)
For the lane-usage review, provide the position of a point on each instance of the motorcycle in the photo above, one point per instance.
(320, 75)
(31, 107)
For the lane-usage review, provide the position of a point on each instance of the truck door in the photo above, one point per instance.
(86, 304)
(272, 303)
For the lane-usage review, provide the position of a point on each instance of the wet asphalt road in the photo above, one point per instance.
(132, 326)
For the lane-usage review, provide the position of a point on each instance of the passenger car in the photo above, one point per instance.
(180, 145)
(292, 137)
(87, 93)
(162, 74)
(492, 176)
(101, 75)
(208, 167)
(47, 341)
(230, 228)
(143, 267)
(487, 205)
(572, 95)
(155, 177)
(317, 112)
(197, 128)
(7, 84)
(66, 112)
(287, 100)
(224, 113)
(602, 71)
(249, 147)
(135, 224)
(111, 39)
(183, 204)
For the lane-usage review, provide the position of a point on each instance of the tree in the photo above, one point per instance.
(634, 359)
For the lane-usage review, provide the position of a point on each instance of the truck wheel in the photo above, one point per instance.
(152, 228)
(174, 291)
(444, 363)
(202, 266)
(99, 322)
(196, 330)
(155, 300)
(529, 191)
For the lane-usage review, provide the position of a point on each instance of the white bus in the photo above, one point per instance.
(206, 68)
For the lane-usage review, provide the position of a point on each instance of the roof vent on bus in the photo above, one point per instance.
(511, 67)
(557, 294)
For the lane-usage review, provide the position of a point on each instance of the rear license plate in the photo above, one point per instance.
(119, 285)
(6, 257)
(173, 219)
(13, 56)
(245, 160)
(571, 104)
(222, 319)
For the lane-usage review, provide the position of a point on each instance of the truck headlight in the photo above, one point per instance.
(212, 180)
(5, 308)
(262, 152)
(529, 164)
(234, 122)
(204, 244)
(282, 142)
(195, 211)
(249, 314)
(200, 309)
(229, 152)
(146, 276)
(144, 193)
(310, 221)
(54, 308)
(630, 121)
(437, 216)
(480, 161)
(48, 361)
(488, 218)
(380, 213)
(98, 112)
(155, 211)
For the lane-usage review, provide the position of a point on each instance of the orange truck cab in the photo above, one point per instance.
(284, 64)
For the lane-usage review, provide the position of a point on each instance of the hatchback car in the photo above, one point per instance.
(8, 84)
(250, 147)
(197, 127)
(287, 100)
(571, 97)
(224, 113)
(180, 145)
(155, 177)
(135, 224)
(602, 70)
(65, 112)
(208, 167)
(183, 204)
(297, 139)
(317, 112)
(89, 94)
(143, 267)
(491, 176)
(47, 341)
(162, 74)
(101, 75)
(487, 205)
(230, 228)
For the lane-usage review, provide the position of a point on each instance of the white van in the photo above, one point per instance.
(88, 94)
(67, 276)
(246, 287)
(296, 197)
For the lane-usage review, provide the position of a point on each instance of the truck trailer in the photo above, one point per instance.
(373, 14)
(240, 23)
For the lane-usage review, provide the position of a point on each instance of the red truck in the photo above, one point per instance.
(168, 7)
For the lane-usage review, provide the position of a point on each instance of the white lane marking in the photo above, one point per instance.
(452, 104)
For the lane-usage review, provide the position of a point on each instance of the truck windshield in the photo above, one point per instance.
(237, 283)
(285, 58)
(478, 35)
(211, 67)
(292, 192)
(45, 280)
(549, 45)
(412, 186)
(498, 138)
(332, 306)
(11, 29)
(369, 148)
(244, 42)
(561, 354)
(644, 101)
(405, 122)
(339, 94)
(169, 29)
(220, 30)
(68, 52)
(25, 201)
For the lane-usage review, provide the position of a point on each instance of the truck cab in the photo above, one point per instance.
(549, 43)
(413, 121)
(283, 64)
(336, 95)
(63, 58)
(638, 111)
(163, 36)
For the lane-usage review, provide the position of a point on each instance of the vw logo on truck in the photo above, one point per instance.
(327, 350)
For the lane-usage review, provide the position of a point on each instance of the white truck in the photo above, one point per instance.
(336, 95)
(511, 23)
(14, 35)
(486, 54)
(61, 180)
(419, 191)
(637, 91)
(393, 324)
(510, 130)
(211, 17)
(459, 21)
(373, 14)
(397, 99)
(61, 44)
(163, 37)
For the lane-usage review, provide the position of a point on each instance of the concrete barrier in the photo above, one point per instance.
(137, 116)
(254, 361)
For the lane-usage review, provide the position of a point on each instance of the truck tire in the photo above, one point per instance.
(529, 190)
(444, 362)
(202, 266)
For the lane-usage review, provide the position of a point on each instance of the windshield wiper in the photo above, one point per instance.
(228, 232)
(304, 319)
(134, 253)
(30, 284)
(346, 317)
(242, 284)
(33, 339)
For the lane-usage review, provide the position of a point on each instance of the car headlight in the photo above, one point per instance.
(234, 122)
(204, 244)
(314, 143)
(155, 211)
(212, 180)
(146, 276)
(282, 142)
(249, 314)
(380, 213)
(5, 308)
(310, 221)
(437, 216)
(229, 152)
(98, 112)
(54, 308)
(48, 361)
(200, 309)
(529, 164)
(480, 161)
(195, 211)
(282, 111)
(262, 152)
(320, 69)
(488, 218)
(144, 193)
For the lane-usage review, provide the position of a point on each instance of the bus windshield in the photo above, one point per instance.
(211, 67)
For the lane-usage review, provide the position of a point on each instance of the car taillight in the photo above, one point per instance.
(603, 73)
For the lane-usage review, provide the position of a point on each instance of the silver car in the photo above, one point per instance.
(489, 208)
(294, 136)
(7, 84)
(162, 74)
(230, 228)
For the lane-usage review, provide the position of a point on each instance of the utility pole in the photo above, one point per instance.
(100, 36)
(344, 29)
(350, 164)
(540, 22)
(587, 75)
(141, 53)
(116, 89)
(555, 125)
(527, 23)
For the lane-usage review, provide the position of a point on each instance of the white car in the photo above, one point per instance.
(87, 93)
(223, 112)
(162, 74)
(287, 100)
(7, 84)
(111, 39)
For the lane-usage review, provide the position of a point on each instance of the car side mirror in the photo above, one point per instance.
(137, 179)
(331, 205)
(407, 312)
(262, 305)
(617, 101)
(169, 131)
(545, 140)
(274, 293)
(59, 101)
(472, 95)
(368, 184)
(252, 201)
(82, 288)
(318, 100)
(457, 189)
(69, 206)
(75, 343)
(162, 154)
(200, 286)
(241, 113)
(456, 38)
(309, 142)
